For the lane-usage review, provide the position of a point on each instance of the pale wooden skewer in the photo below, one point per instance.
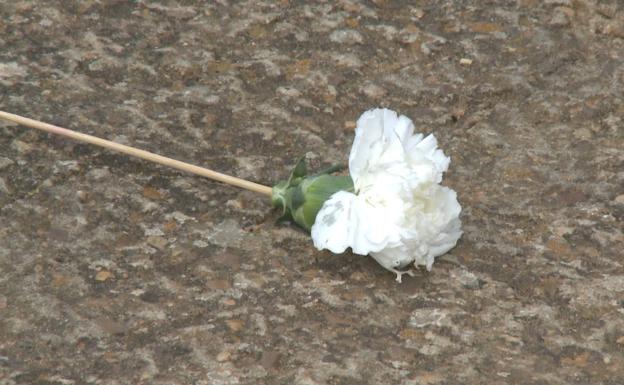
(227, 179)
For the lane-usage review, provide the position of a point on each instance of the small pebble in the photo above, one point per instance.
(3, 187)
(346, 36)
(5, 162)
(349, 125)
(234, 324)
(465, 61)
(158, 242)
(614, 29)
(559, 19)
(82, 196)
(103, 275)
(223, 356)
(468, 279)
(418, 12)
(373, 91)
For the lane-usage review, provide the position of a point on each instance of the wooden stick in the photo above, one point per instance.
(266, 190)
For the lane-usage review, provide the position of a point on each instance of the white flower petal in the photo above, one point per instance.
(347, 220)
(383, 138)
(446, 240)
(367, 144)
(393, 258)
(374, 227)
(429, 148)
(404, 130)
(435, 226)
(333, 228)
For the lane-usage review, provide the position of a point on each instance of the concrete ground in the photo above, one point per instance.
(116, 271)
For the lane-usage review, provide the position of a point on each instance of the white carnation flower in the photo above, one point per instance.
(398, 213)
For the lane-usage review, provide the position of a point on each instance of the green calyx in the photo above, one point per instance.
(302, 196)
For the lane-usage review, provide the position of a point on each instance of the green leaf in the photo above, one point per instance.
(331, 169)
(298, 173)
(300, 169)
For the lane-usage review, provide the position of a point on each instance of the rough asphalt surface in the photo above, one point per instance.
(116, 271)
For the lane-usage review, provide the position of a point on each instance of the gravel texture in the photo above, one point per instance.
(116, 271)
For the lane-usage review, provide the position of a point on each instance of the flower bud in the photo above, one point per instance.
(301, 197)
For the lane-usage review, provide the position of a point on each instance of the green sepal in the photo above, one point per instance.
(331, 169)
(300, 170)
(297, 199)
(301, 197)
(284, 218)
(315, 191)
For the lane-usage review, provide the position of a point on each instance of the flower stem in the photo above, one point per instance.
(331, 169)
(149, 156)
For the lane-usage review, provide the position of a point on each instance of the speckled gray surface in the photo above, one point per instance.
(115, 271)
